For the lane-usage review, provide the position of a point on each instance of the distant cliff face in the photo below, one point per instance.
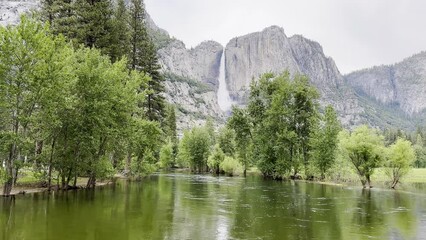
(402, 85)
(192, 80)
(11, 10)
(249, 56)
(200, 63)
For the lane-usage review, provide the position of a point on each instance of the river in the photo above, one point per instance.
(181, 206)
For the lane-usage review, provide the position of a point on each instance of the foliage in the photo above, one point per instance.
(143, 166)
(239, 122)
(3, 176)
(70, 111)
(325, 142)
(277, 127)
(215, 159)
(143, 57)
(231, 166)
(104, 169)
(400, 159)
(420, 151)
(226, 141)
(194, 149)
(166, 155)
(364, 148)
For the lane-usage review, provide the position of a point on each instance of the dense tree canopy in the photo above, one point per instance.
(364, 148)
(69, 111)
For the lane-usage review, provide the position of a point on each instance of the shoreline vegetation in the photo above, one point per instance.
(416, 176)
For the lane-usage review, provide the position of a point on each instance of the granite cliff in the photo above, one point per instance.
(249, 56)
(402, 85)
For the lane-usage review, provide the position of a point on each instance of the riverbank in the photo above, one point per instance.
(28, 184)
(28, 187)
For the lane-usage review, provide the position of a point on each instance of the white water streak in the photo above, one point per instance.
(223, 98)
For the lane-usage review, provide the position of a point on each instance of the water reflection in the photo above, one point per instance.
(177, 206)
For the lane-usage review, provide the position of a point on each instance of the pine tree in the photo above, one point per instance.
(138, 34)
(155, 99)
(120, 35)
(61, 16)
(143, 57)
(94, 24)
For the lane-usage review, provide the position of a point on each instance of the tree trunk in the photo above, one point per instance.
(128, 162)
(91, 183)
(75, 180)
(7, 188)
(363, 183)
(63, 186)
(394, 183)
(368, 181)
(15, 176)
(49, 174)
(9, 170)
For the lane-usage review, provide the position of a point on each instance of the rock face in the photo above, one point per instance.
(401, 86)
(11, 10)
(192, 80)
(200, 63)
(249, 56)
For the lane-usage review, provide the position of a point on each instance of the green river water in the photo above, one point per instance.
(180, 206)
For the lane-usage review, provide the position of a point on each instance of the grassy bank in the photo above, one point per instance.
(29, 183)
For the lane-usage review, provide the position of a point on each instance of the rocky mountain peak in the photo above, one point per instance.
(401, 86)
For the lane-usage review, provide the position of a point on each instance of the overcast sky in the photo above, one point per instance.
(355, 33)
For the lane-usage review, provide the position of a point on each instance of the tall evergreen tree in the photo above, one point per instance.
(95, 24)
(120, 35)
(143, 57)
(61, 16)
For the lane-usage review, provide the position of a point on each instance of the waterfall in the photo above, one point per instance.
(223, 98)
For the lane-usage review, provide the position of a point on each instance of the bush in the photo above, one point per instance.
(215, 159)
(104, 169)
(166, 155)
(141, 167)
(194, 149)
(231, 166)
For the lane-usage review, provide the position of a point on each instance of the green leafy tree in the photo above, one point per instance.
(325, 141)
(305, 116)
(231, 166)
(400, 160)
(26, 64)
(241, 125)
(166, 155)
(215, 159)
(169, 125)
(226, 141)
(280, 120)
(364, 148)
(194, 149)
(145, 150)
(420, 151)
